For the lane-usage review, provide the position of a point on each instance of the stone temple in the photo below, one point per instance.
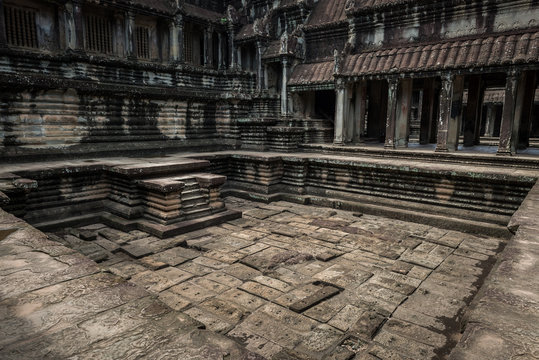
(269, 179)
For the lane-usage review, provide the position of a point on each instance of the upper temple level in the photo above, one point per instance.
(229, 74)
(234, 34)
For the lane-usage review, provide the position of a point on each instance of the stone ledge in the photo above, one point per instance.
(164, 185)
(165, 231)
(209, 180)
(72, 297)
(502, 321)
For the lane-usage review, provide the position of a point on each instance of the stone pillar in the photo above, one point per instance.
(266, 85)
(174, 51)
(404, 102)
(391, 113)
(360, 110)
(208, 47)
(130, 35)
(527, 110)
(512, 111)
(427, 111)
(61, 15)
(349, 123)
(450, 112)
(118, 30)
(231, 47)
(3, 38)
(239, 58)
(220, 57)
(472, 123)
(78, 27)
(284, 92)
(178, 20)
(339, 112)
(70, 38)
(259, 68)
(490, 120)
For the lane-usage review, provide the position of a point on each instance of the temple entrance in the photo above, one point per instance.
(374, 130)
(324, 104)
(314, 112)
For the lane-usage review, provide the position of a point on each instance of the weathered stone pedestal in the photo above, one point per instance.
(159, 196)
(253, 133)
(285, 138)
(317, 131)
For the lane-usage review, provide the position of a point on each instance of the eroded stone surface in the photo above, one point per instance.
(57, 304)
(301, 282)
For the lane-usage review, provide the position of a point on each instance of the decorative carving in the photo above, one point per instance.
(177, 5)
(232, 14)
(338, 60)
(284, 43)
(350, 6)
(261, 27)
(340, 84)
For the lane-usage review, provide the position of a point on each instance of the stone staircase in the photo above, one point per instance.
(159, 196)
(195, 203)
(447, 195)
(283, 134)
(317, 131)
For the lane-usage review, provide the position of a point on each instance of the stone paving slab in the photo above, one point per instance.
(504, 317)
(286, 281)
(58, 304)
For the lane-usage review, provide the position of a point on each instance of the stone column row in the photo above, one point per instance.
(514, 130)
(450, 112)
(284, 93)
(517, 108)
(72, 24)
(398, 113)
(350, 110)
(176, 39)
(351, 107)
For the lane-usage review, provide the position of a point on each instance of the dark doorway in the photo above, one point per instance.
(324, 104)
(376, 110)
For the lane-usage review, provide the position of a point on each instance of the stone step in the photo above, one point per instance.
(158, 166)
(195, 213)
(194, 207)
(193, 197)
(190, 186)
(440, 220)
(193, 201)
(189, 194)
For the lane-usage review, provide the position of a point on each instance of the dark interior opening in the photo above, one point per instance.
(377, 110)
(248, 56)
(325, 104)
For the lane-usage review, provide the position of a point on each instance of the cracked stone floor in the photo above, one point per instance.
(290, 281)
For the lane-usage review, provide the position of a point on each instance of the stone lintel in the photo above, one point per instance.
(210, 180)
(163, 185)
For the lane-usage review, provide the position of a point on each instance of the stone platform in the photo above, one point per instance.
(55, 303)
(287, 282)
(476, 196)
(503, 321)
(162, 196)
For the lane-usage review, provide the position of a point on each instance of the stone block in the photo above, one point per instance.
(367, 325)
(260, 290)
(322, 294)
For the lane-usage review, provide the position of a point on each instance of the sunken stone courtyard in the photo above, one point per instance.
(269, 179)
